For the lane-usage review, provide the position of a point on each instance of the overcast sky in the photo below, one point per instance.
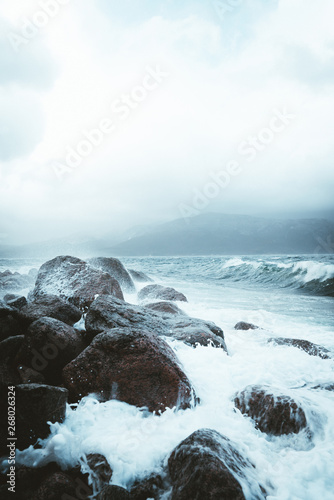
(204, 106)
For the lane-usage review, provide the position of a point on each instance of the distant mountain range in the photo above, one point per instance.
(205, 234)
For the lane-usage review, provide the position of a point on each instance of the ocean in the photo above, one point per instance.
(286, 296)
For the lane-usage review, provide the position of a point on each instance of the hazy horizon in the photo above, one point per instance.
(121, 115)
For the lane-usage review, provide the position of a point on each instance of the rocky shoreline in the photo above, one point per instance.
(75, 335)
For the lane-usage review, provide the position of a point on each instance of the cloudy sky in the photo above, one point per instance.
(116, 114)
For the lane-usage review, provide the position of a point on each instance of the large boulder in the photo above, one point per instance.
(139, 276)
(150, 487)
(130, 365)
(48, 346)
(108, 312)
(206, 465)
(115, 268)
(274, 414)
(35, 406)
(52, 307)
(303, 345)
(74, 280)
(160, 292)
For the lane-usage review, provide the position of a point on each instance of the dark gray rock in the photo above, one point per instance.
(35, 406)
(207, 465)
(48, 346)
(115, 268)
(5, 309)
(52, 307)
(272, 414)
(139, 276)
(74, 280)
(111, 492)
(8, 351)
(130, 365)
(242, 325)
(15, 301)
(100, 469)
(161, 293)
(108, 312)
(11, 326)
(165, 308)
(151, 487)
(304, 345)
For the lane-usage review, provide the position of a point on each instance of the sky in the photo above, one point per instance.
(121, 114)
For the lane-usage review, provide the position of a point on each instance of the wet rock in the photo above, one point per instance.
(30, 376)
(48, 346)
(242, 325)
(8, 350)
(150, 487)
(52, 307)
(204, 465)
(304, 345)
(50, 482)
(15, 301)
(329, 386)
(272, 414)
(15, 281)
(36, 405)
(165, 307)
(5, 309)
(161, 292)
(100, 468)
(74, 280)
(115, 268)
(111, 492)
(130, 365)
(107, 312)
(139, 276)
(10, 326)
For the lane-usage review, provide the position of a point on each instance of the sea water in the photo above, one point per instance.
(286, 296)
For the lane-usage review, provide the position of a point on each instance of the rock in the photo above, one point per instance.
(35, 406)
(115, 268)
(111, 492)
(15, 301)
(130, 365)
(48, 346)
(272, 414)
(140, 276)
(108, 312)
(204, 466)
(74, 280)
(161, 292)
(61, 485)
(329, 386)
(14, 281)
(304, 345)
(8, 350)
(52, 307)
(5, 309)
(165, 307)
(30, 376)
(150, 487)
(100, 468)
(10, 326)
(242, 325)
(50, 482)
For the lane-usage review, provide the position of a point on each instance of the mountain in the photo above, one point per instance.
(213, 233)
